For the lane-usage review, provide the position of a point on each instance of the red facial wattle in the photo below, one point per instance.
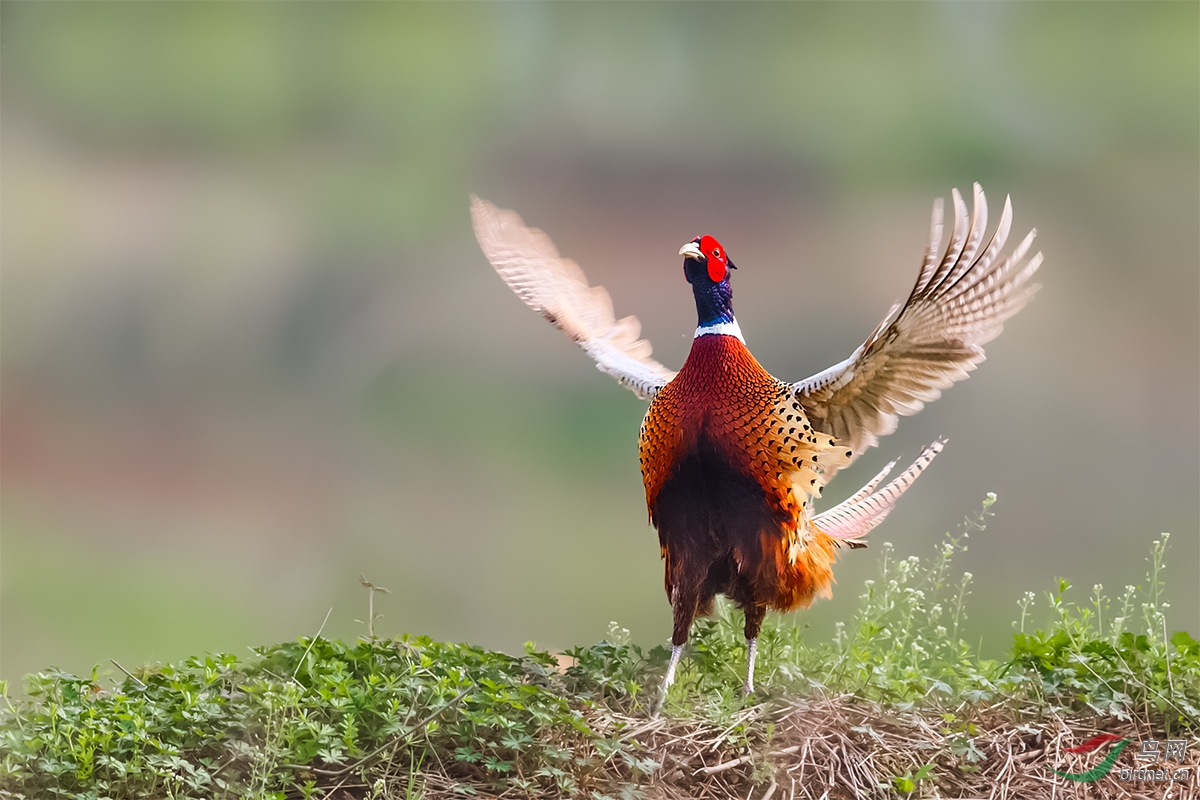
(718, 262)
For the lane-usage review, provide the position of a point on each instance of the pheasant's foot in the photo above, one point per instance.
(669, 678)
(751, 654)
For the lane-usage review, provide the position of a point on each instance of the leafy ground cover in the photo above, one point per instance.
(897, 704)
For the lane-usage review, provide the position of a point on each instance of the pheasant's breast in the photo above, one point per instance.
(724, 397)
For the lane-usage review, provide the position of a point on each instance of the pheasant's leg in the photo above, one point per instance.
(676, 654)
(754, 619)
(684, 603)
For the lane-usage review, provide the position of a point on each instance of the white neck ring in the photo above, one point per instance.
(721, 328)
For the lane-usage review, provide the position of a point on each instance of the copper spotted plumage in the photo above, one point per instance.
(733, 458)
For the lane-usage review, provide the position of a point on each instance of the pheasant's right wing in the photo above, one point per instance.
(934, 338)
(557, 289)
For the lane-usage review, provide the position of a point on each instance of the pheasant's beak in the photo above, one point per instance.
(692, 251)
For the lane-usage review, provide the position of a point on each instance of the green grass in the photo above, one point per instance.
(411, 717)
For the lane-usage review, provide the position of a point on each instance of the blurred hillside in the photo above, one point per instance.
(249, 349)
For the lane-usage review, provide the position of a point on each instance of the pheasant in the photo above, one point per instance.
(733, 458)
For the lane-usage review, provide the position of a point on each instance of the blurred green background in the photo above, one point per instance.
(250, 349)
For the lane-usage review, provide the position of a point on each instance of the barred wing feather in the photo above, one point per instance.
(854, 517)
(934, 338)
(557, 289)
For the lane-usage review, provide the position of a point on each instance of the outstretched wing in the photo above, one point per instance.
(934, 338)
(557, 289)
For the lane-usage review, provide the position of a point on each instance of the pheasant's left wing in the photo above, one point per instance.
(556, 288)
(934, 338)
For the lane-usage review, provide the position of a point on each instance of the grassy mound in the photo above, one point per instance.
(897, 704)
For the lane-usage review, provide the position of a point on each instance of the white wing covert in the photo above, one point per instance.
(557, 289)
(934, 338)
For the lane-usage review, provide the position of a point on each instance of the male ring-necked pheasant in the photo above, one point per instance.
(732, 457)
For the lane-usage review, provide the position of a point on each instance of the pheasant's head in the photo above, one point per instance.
(704, 255)
(706, 266)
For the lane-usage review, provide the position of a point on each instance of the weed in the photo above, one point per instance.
(1079, 660)
(411, 717)
(907, 783)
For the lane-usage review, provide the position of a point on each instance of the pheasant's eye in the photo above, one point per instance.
(717, 252)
